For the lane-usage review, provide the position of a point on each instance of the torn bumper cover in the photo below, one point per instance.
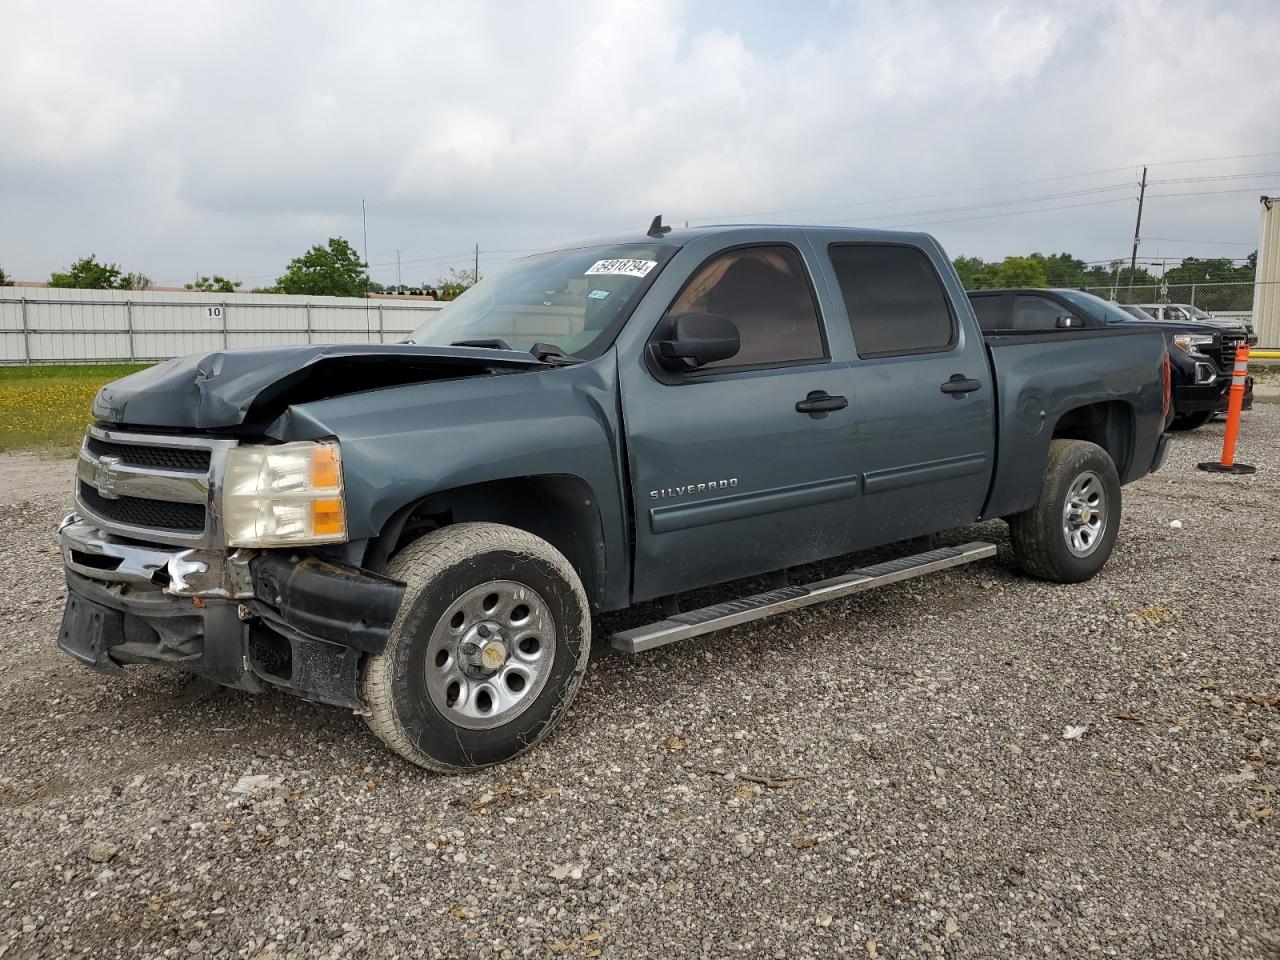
(245, 620)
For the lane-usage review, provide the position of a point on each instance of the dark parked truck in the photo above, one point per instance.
(422, 532)
(1202, 355)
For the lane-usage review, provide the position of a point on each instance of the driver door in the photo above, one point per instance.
(733, 470)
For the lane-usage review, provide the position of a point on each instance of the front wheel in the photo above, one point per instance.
(487, 651)
(1068, 534)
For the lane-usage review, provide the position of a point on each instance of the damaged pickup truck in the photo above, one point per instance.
(422, 532)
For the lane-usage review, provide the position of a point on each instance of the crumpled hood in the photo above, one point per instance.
(237, 387)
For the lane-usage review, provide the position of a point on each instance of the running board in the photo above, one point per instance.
(720, 616)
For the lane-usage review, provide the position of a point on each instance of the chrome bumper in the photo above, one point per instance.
(178, 571)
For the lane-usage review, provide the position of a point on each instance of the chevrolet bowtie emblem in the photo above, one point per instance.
(105, 478)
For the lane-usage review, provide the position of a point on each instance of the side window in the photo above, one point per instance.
(988, 310)
(765, 292)
(1037, 313)
(894, 298)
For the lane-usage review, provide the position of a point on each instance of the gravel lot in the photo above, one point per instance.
(882, 777)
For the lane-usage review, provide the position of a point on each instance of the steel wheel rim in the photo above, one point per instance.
(1084, 515)
(471, 690)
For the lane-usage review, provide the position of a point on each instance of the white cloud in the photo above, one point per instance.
(230, 136)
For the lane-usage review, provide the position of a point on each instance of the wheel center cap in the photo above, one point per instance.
(482, 651)
(493, 654)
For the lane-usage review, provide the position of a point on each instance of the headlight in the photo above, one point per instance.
(274, 496)
(1192, 342)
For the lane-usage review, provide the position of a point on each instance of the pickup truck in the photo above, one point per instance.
(422, 532)
(1203, 355)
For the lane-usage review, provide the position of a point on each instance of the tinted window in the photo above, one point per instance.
(894, 298)
(1037, 313)
(766, 293)
(988, 310)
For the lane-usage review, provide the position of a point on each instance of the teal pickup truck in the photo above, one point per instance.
(422, 532)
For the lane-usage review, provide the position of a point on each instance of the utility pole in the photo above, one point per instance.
(1137, 228)
(364, 225)
(397, 271)
(475, 277)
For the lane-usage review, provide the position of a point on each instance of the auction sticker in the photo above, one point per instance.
(625, 268)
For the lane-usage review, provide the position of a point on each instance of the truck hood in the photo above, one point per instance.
(237, 388)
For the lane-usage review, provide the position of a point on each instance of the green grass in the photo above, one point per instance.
(46, 407)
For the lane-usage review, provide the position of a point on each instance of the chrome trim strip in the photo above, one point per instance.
(721, 616)
(172, 486)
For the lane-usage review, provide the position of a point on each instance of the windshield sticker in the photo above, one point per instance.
(598, 295)
(625, 268)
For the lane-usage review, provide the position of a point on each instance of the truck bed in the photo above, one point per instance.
(1040, 377)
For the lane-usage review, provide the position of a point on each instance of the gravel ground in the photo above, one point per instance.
(882, 777)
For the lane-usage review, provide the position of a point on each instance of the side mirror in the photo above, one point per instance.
(1068, 323)
(697, 339)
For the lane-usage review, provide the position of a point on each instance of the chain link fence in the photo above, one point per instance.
(1231, 297)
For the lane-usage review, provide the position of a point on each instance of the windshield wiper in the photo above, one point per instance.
(490, 343)
(550, 353)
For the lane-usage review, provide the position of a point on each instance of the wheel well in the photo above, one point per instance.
(559, 508)
(1108, 423)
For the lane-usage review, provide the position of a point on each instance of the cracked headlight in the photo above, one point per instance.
(289, 493)
(1192, 342)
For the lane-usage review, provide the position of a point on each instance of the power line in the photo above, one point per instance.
(993, 216)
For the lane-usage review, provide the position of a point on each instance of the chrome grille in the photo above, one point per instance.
(140, 512)
(163, 458)
(151, 488)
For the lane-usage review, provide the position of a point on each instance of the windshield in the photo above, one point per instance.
(567, 299)
(1199, 314)
(1095, 306)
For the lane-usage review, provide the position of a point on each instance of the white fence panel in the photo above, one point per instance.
(40, 325)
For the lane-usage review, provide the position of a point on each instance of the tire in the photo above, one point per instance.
(1191, 421)
(427, 691)
(1052, 541)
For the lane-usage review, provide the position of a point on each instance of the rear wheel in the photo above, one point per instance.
(487, 651)
(1067, 536)
(1190, 421)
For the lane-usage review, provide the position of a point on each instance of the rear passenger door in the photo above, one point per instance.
(921, 393)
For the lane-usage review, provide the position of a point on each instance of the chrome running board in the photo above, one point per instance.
(719, 616)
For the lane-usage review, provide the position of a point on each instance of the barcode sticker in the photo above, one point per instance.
(625, 268)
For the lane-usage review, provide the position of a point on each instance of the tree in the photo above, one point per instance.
(332, 270)
(4, 278)
(214, 284)
(88, 274)
(1021, 272)
(456, 284)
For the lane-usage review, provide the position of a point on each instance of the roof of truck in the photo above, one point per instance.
(679, 236)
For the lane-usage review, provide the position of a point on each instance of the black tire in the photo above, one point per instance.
(1191, 421)
(1040, 539)
(441, 569)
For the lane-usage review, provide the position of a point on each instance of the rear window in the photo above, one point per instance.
(894, 299)
(988, 310)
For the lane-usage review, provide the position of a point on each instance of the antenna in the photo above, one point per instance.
(656, 229)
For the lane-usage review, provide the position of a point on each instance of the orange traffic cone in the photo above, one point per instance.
(1235, 403)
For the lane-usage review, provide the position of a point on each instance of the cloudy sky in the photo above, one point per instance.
(227, 137)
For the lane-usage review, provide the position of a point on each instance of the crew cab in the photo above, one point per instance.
(1203, 355)
(423, 532)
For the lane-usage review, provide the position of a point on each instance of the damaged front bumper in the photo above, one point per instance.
(248, 619)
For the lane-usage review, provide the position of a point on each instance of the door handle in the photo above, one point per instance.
(959, 384)
(819, 401)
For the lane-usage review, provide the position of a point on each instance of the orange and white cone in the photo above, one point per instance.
(1235, 404)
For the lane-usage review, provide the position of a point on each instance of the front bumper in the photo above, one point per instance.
(1197, 398)
(248, 620)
